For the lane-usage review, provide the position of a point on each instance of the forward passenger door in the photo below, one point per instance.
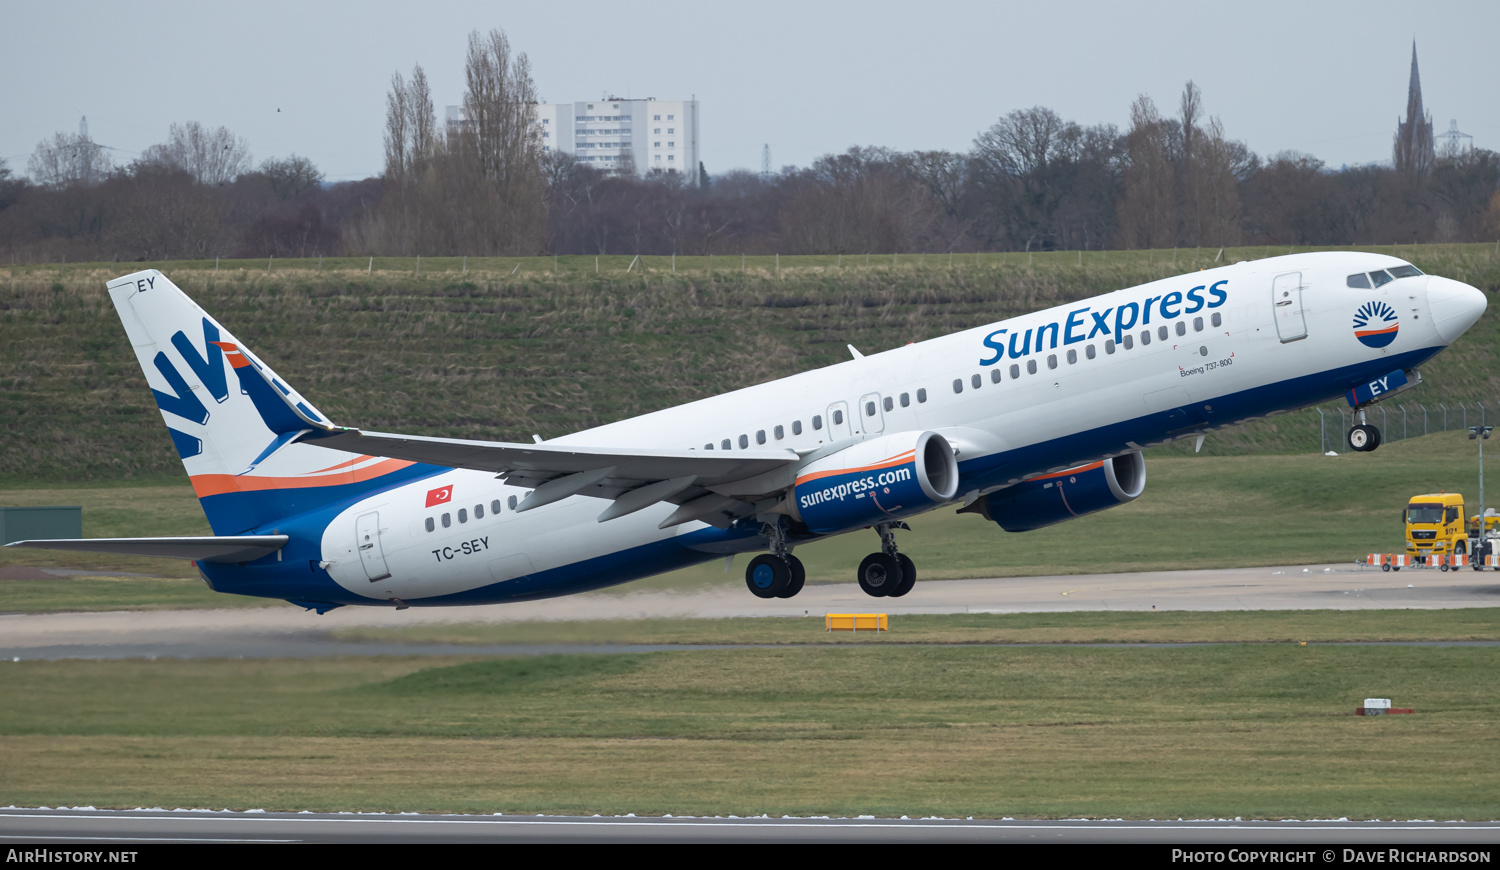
(1286, 299)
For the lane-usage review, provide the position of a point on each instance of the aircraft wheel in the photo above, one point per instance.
(879, 574)
(798, 578)
(1364, 438)
(908, 576)
(767, 576)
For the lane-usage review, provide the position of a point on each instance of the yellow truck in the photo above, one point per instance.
(1435, 525)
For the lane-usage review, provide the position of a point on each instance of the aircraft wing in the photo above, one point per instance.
(210, 548)
(714, 487)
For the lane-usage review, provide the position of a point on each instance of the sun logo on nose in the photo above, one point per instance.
(1375, 324)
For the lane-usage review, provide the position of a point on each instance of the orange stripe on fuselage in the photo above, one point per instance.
(900, 459)
(205, 485)
(1066, 471)
(1364, 332)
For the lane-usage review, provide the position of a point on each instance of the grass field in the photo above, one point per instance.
(1198, 512)
(1251, 731)
(499, 354)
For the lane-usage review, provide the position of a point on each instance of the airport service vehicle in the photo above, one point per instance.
(1435, 526)
(1026, 422)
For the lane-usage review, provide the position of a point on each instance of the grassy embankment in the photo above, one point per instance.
(1251, 731)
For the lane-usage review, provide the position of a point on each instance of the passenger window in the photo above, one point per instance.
(724, 444)
(817, 421)
(869, 409)
(958, 385)
(1161, 333)
(744, 442)
(994, 376)
(1051, 360)
(1405, 271)
(976, 380)
(906, 400)
(1109, 345)
(921, 395)
(1145, 336)
(796, 427)
(511, 502)
(447, 520)
(431, 526)
(1015, 372)
(709, 446)
(889, 405)
(838, 418)
(463, 515)
(1090, 352)
(1129, 341)
(760, 436)
(1181, 328)
(1381, 278)
(779, 432)
(1358, 282)
(495, 506)
(1197, 324)
(478, 511)
(1072, 357)
(1217, 319)
(1031, 367)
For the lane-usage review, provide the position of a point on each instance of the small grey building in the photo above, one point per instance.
(31, 523)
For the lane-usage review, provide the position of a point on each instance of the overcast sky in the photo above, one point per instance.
(809, 78)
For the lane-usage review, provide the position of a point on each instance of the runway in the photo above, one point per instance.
(124, 828)
(290, 632)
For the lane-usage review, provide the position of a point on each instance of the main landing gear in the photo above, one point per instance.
(887, 574)
(1363, 437)
(777, 574)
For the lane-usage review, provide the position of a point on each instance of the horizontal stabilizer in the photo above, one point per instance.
(228, 548)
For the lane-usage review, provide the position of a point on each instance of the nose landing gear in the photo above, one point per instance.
(1363, 437)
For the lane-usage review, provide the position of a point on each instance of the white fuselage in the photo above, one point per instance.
(1090, 396)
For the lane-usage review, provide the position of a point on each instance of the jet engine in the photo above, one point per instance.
(875, 481)
(1065, 495)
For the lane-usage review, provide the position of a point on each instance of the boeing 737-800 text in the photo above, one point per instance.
(1026, 422)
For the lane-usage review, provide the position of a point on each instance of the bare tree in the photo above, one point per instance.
(500, 151)
(1147, 208)
(67, 160)
(290, 176)
(211, 157)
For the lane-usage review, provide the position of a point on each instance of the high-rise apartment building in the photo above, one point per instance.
(614, 133)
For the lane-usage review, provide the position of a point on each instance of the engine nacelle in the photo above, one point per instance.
(875, 481)
(1065, 495)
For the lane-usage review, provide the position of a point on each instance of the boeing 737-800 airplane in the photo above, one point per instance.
(1026, 422)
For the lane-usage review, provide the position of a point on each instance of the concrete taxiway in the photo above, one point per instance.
(286, 631)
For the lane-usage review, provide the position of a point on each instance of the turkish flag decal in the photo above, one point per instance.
(439, 496)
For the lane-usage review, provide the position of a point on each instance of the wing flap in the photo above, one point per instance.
(210, 548)
(534, 463)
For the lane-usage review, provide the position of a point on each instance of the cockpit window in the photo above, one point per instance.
(1360, 281)
(1405, 271)
(1381, 278)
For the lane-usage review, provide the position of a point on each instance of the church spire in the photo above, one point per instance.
(1414, 145)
